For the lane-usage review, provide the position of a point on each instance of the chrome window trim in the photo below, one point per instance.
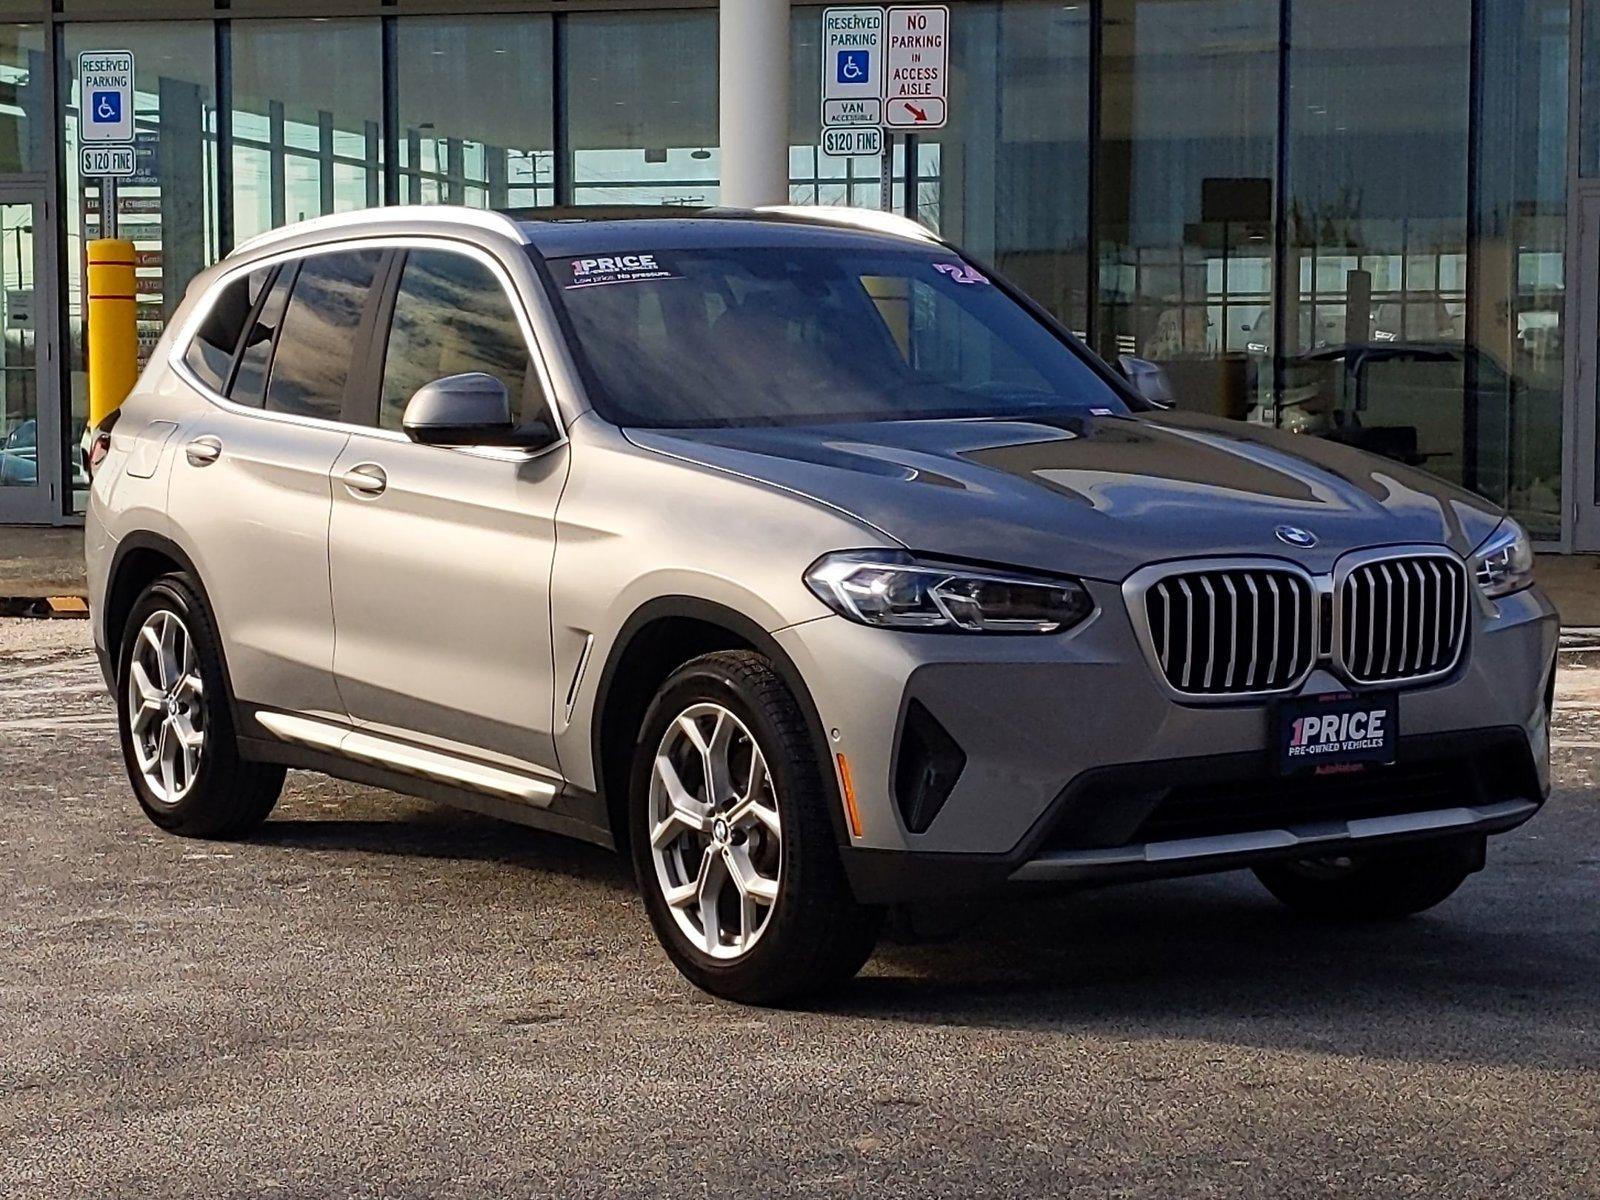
(1355, 559)
(1329, 584)
(439, 241)
(1136, 586)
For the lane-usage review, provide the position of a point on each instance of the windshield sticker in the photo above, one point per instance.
(960, 272)
(616, 268)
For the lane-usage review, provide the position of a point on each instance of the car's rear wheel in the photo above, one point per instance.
(732, 840)
(1373, 887)
(176, 720)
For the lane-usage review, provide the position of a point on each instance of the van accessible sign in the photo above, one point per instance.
(852, 66)
(105, 92)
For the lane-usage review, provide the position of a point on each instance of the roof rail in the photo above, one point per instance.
(869, 219)
(390, 215)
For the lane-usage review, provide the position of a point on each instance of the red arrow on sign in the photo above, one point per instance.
(917, 114)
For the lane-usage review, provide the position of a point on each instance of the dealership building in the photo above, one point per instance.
(1359, 219)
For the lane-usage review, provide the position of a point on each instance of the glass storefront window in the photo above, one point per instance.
(307, 120)
(1008, 178)
(489, 144)
(641, 105)
(1375, 316)
(1189, 115)
(24, 103)
(169, 209)
(1515, 365)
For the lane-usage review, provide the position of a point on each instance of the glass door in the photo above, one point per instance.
(31, 450)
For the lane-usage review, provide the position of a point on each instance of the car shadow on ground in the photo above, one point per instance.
(1218, 958)
(1491, 976)
(449, 834)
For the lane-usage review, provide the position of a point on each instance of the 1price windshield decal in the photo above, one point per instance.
(615, 268)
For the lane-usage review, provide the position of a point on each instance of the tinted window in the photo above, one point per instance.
(312, 361)
(451, 316)
(210, 355)
(808, 333)
(250, 377)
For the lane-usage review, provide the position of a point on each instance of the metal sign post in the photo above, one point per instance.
(886, 173)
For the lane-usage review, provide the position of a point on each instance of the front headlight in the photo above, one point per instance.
(894, 590)
(1504, 563)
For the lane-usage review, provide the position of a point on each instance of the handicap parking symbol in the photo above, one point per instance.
(855, 66)
(105, 108)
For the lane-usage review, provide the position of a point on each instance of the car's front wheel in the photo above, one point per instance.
(1373, 887)
(176, 719)
(732, 840)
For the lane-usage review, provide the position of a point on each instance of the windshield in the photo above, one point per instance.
(768, 335)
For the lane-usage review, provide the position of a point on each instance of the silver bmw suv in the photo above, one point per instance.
(803, 560)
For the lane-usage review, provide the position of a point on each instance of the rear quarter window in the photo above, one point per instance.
(210, 355)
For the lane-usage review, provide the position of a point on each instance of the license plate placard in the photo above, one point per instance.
(1338, 730)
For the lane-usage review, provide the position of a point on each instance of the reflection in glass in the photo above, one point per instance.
(312, 359)
(475, 111)
(1008, 178)
(451, 317)
(25, 113)
(307, 116)
(1516, 364)
(1377, 200)
(19, 318)
(1188, 126)
(641, 104)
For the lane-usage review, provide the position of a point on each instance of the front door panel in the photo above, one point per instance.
(441, 592)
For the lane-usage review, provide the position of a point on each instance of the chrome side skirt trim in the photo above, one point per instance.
(1066, 863)
(410, 760)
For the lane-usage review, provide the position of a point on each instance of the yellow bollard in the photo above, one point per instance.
(113, 327)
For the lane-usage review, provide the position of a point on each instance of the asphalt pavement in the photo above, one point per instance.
(378, 997)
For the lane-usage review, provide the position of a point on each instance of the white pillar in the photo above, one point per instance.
(754, 61)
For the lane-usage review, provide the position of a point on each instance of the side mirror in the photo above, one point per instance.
(1146, 378)
(468, 410)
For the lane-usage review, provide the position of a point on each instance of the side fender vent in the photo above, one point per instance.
(926, 771)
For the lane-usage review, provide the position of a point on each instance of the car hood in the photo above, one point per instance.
(1096, 496)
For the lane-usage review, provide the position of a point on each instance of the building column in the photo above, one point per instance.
(754, 87)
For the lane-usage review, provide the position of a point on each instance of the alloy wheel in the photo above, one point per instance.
(166, 716)
(715, 836)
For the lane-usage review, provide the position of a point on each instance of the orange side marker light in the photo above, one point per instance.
(852, 815)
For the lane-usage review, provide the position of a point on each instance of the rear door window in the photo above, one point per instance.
(311, 366)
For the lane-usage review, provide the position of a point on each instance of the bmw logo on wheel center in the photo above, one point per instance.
(1293, 535)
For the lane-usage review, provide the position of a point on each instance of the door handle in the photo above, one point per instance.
(203, 451)
(368, 479)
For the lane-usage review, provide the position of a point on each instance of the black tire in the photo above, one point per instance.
(228, 795)
(816, 935)
(1377, 887)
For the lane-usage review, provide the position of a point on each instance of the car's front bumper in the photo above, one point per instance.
(1038, 717)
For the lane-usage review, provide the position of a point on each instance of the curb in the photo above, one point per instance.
(47, 607)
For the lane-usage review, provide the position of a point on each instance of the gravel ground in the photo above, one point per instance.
(379, 997)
